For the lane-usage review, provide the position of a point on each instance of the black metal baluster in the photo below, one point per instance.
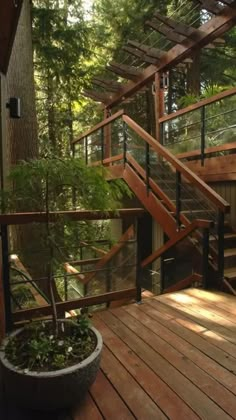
(124, 142)
(205, 258)
(147, 166)
(6, 278)
(139, 239)
(221, 247)
(102, 144)
(178, 198)
(203, 134)
(86, 150)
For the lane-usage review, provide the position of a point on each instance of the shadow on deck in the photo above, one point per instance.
(174, 356)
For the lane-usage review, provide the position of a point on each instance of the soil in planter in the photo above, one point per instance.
(37, 348)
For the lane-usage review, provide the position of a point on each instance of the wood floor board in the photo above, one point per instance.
(139, 403)
(108, 400)
(196, 335)
(192, 363)
(168, 373)
(171, 357)
(173, 406)
(203, 317)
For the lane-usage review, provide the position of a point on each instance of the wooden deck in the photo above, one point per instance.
(174, 356)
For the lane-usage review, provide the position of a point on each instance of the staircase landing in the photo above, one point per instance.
(174, 356)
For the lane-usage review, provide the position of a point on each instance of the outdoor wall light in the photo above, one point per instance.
(14, 107)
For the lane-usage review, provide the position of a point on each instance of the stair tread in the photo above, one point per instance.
(230, 252)
(230, 273)
(230, 235)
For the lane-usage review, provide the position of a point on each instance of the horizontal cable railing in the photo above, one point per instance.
(181, 193)
(201, 129)
(182, 261)
(85, 272)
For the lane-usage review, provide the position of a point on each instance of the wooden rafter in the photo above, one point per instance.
(113, 86)
(183, 29)
(125, 71)
(150, 51)
(227, 2)
(97, 96)
(165, 30)
(142, 56)
(209, 31)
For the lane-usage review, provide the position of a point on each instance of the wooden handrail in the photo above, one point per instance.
(157, 190)
(198, 105)
(178, 165)
(41, 217)
(214, 149)
(28, 314)
(99, 125)
(179, 236)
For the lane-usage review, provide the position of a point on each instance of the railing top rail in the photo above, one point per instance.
(41, 217)
(181, 167)
(99, 125)
(214, 149)
(198, 105)
(179, 236)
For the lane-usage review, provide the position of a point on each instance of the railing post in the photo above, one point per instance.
(220, 247)
(86, 150)
(124, 142)
(178, 198)
(108, 280)
(139, 240)
(6, 278)
(203, 134)
(205, 258)
(147, 164)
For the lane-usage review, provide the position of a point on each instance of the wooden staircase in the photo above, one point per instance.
(174, 195)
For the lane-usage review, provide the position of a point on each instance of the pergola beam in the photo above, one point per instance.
(125, 71)
(209, 31)
(166, 31)
(137, 53)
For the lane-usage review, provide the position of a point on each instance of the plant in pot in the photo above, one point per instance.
(50, 364)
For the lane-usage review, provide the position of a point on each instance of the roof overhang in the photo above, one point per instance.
(9, 16)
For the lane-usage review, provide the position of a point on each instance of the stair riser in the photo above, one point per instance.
(230, 261)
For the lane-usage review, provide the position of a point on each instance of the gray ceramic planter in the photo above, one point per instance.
(50, 390)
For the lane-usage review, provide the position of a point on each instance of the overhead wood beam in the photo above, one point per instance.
(183, 29)
(227, 2)
(211, 6)
(210, 30)
(166, 31)
(125, 71)
(97, 96)
(113, 86)
(147, 49)
(142, 56)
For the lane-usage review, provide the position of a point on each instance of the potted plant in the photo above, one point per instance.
(51, 364)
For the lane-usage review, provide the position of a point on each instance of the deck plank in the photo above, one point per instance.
(192, 363)
(168, 373)
(190, 331)
(140, 404)
(108, 400)
(203, 317)
(87, 410)
(173, 406)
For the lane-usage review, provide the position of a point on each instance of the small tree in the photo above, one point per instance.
(53, 184)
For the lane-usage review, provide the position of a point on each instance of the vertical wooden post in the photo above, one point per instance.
(159, 103)
(107, 135)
